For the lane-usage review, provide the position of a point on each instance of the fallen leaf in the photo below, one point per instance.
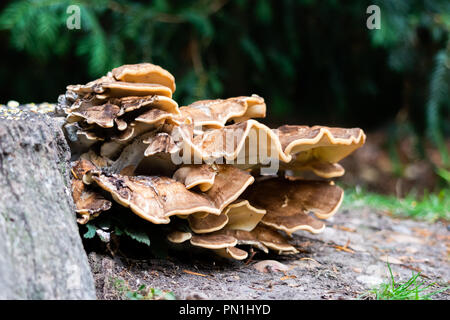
(195, 273)
(344, 248)
(288, 277)
(270, 265)
(344, 228)
(422, 232)
(390, 260)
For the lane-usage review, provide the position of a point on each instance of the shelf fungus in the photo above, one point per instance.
(89, 203)
(213, 175)
(216, 113)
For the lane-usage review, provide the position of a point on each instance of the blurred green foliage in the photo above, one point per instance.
(313, 61)
(430, 206)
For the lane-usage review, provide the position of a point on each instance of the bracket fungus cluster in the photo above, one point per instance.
(231, 181)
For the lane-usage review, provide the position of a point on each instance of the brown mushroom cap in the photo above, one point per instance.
(243, 216)
(89, 135)
(154, 198)
(229, 183)
(157, 198)
(95, 86)
(244, 238)
(132, 103)
(273, 240)
(81, 167)
(85, 101)
(133, 130)
(231, 142)
(261, 237)
(201, 175)
(287, 203)
(208, 224)
(123, 89)
(240, 142)
(320, 168)
(109, 87)
(89, 203)
(121, 124)
(144, 73)
(157, 109)
(222, 245)
(179, 236)
(256, 108)
(135, 152)
(232, 253)
(294, 222)
(213, 241)
(160, 142)
(239, 215)
(322, 143)
(112, 148)
(85, 139)
(328, 144)
(215, 113)
(102, 115)
(154, 116)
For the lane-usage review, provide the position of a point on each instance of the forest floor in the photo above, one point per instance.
(344, 262)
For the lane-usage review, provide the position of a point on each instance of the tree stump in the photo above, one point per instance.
(41, 253)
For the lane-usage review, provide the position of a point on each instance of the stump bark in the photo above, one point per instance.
(41, 253)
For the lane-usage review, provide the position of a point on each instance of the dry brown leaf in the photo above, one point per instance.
(288, 277)
(344, 228)
(344, 248)
(195, 273)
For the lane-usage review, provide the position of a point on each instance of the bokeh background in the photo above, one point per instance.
(314, 62)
